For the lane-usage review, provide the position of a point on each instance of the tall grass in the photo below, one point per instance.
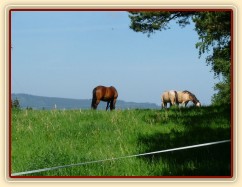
(43, 139)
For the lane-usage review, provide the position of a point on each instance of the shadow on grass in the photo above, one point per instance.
(213, 160)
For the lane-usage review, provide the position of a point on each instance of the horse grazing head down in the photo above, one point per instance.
(198, 104)
(185, 96)
(107, 94)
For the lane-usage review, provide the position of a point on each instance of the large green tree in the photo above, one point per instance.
(214, 31)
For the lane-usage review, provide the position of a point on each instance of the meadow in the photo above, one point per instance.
(43, 139)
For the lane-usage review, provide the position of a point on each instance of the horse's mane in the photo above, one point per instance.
(192, 95)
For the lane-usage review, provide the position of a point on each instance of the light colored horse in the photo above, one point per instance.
(185, 96)
(169, 97)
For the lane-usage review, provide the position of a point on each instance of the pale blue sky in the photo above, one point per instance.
(66, 54)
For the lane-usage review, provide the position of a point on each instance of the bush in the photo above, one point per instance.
(15, 104)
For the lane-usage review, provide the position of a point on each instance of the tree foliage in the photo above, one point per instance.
(223, 95)
(214, 31)
(15, 104)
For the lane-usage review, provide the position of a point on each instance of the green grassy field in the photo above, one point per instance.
(43, 139)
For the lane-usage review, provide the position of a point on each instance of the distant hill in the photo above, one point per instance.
(47, 103)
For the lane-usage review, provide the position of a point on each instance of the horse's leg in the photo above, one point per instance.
(113, 103)
(174, 103)
(107, 105)
(95, 103)
(186, 103)
(183, 104)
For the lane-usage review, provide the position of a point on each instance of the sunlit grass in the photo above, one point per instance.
(42, 139)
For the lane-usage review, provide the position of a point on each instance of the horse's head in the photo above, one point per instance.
(198, 104)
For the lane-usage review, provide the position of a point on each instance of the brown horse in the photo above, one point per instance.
(169, 97)
(107, 94)
(185, 96)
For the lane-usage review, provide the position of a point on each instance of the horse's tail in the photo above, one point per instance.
(94, 93)
(176, 97)
(161, 100)
(93, 98)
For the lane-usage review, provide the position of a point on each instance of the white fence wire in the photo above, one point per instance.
(117, 158)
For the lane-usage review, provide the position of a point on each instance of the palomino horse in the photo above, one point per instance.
(107, 94)
(169, 97)
(185, 96)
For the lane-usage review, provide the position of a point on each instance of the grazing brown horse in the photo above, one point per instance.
(169, 97)
(107, 94)
(185, 96)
